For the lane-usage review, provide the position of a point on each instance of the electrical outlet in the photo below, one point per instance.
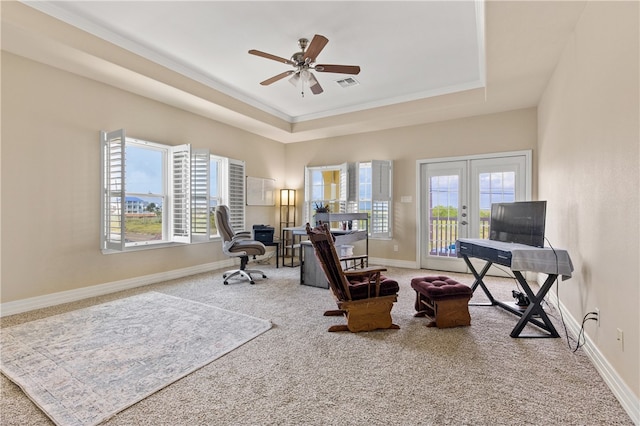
(395, 248)
(597, 311)
(620, 338)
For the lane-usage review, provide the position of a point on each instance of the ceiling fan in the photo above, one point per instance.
(303, 63)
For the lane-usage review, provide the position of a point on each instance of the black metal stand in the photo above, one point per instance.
(532, 311)
(289, 245)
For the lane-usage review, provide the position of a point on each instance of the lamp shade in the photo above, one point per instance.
(287, 197)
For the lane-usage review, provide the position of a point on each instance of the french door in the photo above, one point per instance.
(455, 197)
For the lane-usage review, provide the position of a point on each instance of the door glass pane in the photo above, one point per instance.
(443, 215)
(495, 187)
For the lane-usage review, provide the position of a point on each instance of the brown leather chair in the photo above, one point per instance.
(237, 244)
(364, 296)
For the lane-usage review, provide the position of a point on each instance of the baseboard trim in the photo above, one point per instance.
(629, 401)
(393, 263)
(38, 302)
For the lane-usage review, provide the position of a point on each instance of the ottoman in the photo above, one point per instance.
(444, 299)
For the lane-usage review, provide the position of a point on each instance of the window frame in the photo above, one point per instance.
(381, 200)
(339, 202)
(349, 198)
(186, 185)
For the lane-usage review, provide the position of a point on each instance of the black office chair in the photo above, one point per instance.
(237, 245)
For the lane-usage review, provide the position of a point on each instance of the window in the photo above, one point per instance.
(326, 186)
(353, 188)
(155, 193)
(374, 195)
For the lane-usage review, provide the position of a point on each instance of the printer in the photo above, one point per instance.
(263, 233)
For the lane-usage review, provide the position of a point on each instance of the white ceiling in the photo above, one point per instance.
(411, 53)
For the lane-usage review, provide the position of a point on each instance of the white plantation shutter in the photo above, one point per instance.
(381, 198)
(381, 180)
(353, 191)
(113, 195)
(306, 207)
(200, 223)
(236, 193)
(344, 187)
(181, 193)
(352, 186)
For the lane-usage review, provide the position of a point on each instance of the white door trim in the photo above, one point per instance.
(419, 189)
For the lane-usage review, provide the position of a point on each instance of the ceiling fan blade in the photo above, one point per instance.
(315, 47)
(277, 77)
(315, 87)
(342, 69)
(270, 56)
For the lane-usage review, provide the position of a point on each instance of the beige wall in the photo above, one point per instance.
(50, 169)
(509, 131)
(50, 177)
(589, 159)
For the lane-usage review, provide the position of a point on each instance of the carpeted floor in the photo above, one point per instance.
(299, 374)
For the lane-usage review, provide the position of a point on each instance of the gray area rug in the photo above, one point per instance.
(84, 366)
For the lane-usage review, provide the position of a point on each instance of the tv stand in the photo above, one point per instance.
(519, 258)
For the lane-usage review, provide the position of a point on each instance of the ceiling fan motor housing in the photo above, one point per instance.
(298, 58)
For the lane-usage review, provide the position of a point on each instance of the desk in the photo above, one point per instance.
(519, 258)
(311, 272)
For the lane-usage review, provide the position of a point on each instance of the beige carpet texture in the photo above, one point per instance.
(300, 374)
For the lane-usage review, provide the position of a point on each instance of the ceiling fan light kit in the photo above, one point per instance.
(303, 63)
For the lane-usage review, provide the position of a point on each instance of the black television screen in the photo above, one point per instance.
(520, 222)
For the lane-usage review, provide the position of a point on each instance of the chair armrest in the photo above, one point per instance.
(240, 237)
(354, 257)
(364, 271)
(372, 276)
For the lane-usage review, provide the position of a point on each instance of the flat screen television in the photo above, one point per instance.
(519, 222)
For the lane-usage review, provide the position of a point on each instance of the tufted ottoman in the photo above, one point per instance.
(444, 299)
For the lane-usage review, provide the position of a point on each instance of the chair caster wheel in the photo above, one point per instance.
(226, 283)
(264, 276)
(252, 282)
